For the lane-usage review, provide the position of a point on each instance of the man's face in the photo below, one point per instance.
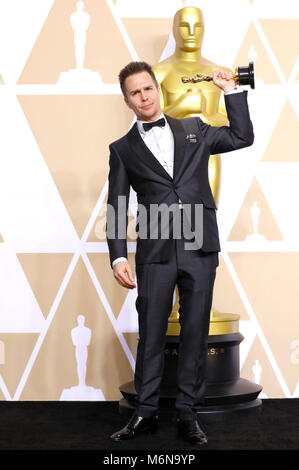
(188, 28)
(143, 96)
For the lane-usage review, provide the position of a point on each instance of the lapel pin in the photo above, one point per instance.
(191, 138)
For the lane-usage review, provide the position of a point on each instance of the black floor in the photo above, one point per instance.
(86, 426)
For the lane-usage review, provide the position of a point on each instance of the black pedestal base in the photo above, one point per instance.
(209, 414)
(226, 394)
(238, 398)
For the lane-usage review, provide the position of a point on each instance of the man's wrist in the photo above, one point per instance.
(117, 260)
(231, 91)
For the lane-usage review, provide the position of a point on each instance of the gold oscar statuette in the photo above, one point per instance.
(242, 76)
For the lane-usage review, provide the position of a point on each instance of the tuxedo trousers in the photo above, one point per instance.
(193, 271)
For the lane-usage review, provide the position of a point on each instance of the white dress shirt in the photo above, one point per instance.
(160, 141)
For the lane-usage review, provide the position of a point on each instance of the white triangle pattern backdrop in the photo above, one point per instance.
(58, 296)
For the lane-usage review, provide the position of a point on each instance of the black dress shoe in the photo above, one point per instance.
(136, 426)
(192, 431)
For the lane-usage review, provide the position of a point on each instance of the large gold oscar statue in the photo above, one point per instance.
(194, 99)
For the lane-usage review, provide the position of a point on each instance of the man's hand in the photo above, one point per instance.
(123, 274)
(224, 80)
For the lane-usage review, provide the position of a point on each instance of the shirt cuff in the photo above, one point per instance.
(121, 258)
(234, 90)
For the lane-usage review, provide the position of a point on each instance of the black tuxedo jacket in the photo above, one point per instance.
(133, 164)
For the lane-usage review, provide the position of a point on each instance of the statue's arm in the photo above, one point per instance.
(184, 104)
(173, 109)
(160, 75)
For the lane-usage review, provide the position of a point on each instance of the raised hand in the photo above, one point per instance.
(224, 80)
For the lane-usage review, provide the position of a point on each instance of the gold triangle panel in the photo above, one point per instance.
(149, 36)
(114, 292)
(282, 35)
(17, 350)
(45, 273)
(132, 342)
(1, 238)
(105, 48)
(55, 368)
(73, 133)
(243, 226)
(257, 365)
(270, 281)
(284, 143)
(263, 66)
(98, 231)
(226, 298)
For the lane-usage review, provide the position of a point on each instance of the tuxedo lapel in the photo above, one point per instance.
(179, 143)
(144, 153)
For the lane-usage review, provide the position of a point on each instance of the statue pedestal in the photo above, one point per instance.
(79, 77)
(80, 393)
(227, 393)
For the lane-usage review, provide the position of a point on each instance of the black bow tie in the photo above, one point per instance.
(148, 125)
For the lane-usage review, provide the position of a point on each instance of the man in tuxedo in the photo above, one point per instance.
(165, 161)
